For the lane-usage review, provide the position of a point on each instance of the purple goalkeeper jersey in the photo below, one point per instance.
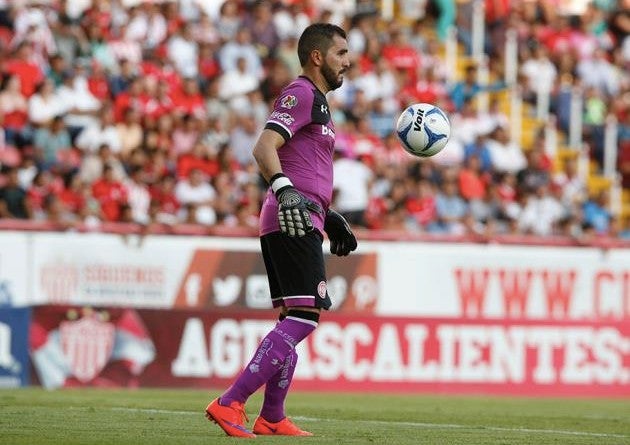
(302, 116)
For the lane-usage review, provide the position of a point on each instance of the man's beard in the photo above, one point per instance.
(331, 77)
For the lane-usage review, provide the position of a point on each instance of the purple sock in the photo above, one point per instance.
(276, 390)
(269, 358)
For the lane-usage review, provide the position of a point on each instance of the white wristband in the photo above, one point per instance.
(280, 182)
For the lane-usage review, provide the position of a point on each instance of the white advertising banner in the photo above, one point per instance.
(498, 281)
(182, 272)
(114, 270)
(14, 250)
(382, 278)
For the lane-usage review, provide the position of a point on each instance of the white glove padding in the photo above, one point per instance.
(293, 209)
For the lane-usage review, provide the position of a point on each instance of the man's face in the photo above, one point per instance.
(336, 62)
(195, 178)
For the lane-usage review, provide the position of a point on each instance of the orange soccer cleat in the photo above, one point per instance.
(230, 418)
(283, 428)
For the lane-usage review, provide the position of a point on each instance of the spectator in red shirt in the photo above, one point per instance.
(162, 69)
(156, 166)
(201, 157)
(497, 13)
(401, 55)
(371, 53)
(430, 89)
(161, 102)
(508, 198)
(189, 100)
(163, 193)
(173, 19)
(110, 194)
(44, 185)
(472, 180)
(133, 97)
(14, 107)
(73, 194)
(375, 212)
(421, 204)
(227, 161)
(23, 66)
(98, 83)
(558, 36)
(100, 15)
(208, 64)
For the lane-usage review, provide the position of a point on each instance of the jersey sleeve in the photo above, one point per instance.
(291, 111)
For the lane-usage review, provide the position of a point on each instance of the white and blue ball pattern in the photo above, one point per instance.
(423, 129)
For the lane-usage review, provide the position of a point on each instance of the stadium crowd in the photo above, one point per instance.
(147, 111)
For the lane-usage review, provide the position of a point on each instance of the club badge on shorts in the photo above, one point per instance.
(321, 289)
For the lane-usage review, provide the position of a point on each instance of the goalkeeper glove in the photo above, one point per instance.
(342, 240)
(293, 208)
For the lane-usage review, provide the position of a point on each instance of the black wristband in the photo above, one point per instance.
(276, 176)
(278, 182)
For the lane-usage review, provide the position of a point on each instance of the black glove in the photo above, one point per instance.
(293, 208)
(342, 240)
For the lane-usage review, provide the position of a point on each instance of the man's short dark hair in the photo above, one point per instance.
(317, 36)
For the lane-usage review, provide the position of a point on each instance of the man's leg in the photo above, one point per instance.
(269, 358)
(277, 387)
(297, 279)
(271, 354)
(276, 390)
(272, 419)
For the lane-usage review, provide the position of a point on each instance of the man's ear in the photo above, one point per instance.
(317, 57)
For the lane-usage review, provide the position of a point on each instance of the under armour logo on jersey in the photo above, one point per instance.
(324, 109)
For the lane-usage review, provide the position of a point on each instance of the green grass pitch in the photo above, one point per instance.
(91, 416)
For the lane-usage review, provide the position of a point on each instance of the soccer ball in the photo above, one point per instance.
(423, 129)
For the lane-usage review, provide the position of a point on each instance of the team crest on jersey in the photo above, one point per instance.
(289, 101)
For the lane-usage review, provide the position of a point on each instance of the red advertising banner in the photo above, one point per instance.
(208, 349)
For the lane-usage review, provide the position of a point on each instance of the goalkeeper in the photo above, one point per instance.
(295, 155)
